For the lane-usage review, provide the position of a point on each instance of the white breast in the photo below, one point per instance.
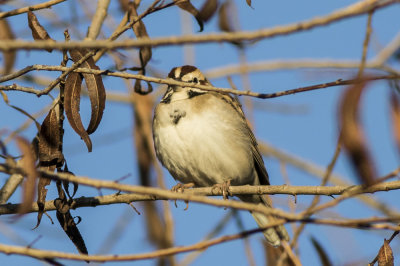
(207, 145)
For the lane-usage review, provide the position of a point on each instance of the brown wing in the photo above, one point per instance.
(258, 161)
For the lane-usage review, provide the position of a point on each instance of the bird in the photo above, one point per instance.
(202, 137)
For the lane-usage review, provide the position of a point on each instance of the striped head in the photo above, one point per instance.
(189, 74)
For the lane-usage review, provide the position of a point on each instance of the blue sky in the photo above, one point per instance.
(310, 135)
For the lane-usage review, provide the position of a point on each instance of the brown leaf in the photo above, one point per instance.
(38, 31)
(352, 134)
(208, 10)
(188, 7)
(72, 99)
(96, 90)
(323, 256)
(249, 3)
(50, 152)
(385, 255)
(227, 15)
(8, 57)
(28, 164)
(395, 110)
(66, 220)
(42, 193)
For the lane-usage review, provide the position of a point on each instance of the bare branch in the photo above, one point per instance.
(18, 11)
(356, 9)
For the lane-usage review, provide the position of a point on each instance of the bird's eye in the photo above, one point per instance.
(195, 80)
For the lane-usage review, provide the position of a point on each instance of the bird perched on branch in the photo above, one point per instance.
(202, 138)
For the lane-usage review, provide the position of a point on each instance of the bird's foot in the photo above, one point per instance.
(223, 188)
(180, 188)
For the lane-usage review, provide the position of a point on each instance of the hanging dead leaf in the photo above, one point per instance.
(385, 255)
(208, 10)
(249, 3)
(28, 165)
(352, 134)
(50, 152)
(72, 99)
(228, 20)
(66, 220)
(66, 183)
(49, 149)
(96, 90)
(42, 193)
(395, 110)
(323, 256)
(38, 31)
(188, 7)
(8, 57)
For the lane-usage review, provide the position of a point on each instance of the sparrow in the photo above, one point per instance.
(203, 138)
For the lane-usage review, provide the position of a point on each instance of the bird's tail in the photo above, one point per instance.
(273, 235)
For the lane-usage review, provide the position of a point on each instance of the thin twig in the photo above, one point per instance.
(22, 10)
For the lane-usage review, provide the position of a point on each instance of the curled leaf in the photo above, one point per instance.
(96, 90)
(208, 10)
(72, 98)
(50, 152)
(38, 31)
(395, 110)
(65, 183)
(28, 164)
(352, 135)
(42, 193)
(385, 255)
(8, 57)
(188, 7)
(67, 222)
(49, 149)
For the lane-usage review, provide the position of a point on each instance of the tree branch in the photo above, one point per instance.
(356, 9)
(22, 10)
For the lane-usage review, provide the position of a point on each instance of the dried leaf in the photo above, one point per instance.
(38, 31)
(249, 3)
(227, 14)
(188, 7)
(323, 256)
(208, 10)
(395, 110)
(28, 164)
(385, 255)
(96, 90)
(8, 57)
(50, 152)
(66, 183)
(42, 193)
(353, 138)
(50, 155)
(67, 222)
(72, 97)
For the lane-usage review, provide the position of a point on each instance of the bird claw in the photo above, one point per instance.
(180, 188)
(223, 188)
